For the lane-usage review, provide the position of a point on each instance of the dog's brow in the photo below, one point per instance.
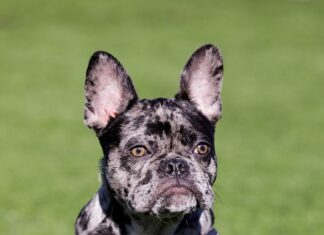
(133, 141)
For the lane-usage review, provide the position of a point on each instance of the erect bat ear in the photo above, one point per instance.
(108, 90)
(201, 81)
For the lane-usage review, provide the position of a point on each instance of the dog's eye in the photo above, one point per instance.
(138, 151)
(202, 149)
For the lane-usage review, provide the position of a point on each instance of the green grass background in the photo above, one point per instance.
(269, 142)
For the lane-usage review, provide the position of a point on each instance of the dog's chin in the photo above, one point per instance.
(174, 202)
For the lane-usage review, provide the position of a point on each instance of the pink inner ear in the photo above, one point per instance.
(205, 87)
(108, 115)
(108, 90)
(107, 98)
(113, 114)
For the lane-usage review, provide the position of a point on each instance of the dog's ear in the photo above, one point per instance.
(201, 81)
(108, 90)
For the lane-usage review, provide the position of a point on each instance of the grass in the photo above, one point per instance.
(269, 142)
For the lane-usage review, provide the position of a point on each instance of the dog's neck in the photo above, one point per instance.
(147, 225)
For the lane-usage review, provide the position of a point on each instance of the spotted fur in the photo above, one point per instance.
(169, 189)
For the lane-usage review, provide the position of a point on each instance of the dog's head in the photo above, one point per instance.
(159, 155)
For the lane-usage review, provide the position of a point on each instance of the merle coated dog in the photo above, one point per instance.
(159, 161)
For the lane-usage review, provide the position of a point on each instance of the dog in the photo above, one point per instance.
(159, 161)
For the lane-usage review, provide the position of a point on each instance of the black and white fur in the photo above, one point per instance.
(169, 189)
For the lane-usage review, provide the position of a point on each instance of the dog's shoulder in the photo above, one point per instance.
(93, 219)
(90, 216)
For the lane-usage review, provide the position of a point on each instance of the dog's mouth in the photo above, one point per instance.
(176, 189)
(172, 197)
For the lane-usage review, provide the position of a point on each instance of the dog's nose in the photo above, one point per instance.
(175, 167)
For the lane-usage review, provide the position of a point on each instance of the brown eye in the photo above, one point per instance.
(202, 149)
(138, 151)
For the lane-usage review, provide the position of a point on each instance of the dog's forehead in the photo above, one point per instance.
(162, 111)
(163, 117)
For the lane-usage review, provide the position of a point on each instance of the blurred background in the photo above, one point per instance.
(269, 142)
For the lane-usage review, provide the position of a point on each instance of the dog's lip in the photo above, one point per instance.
(176, 189)
(179, 187)
(176, 186)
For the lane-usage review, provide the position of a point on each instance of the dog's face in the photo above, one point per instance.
(159, 154)
(161, 157)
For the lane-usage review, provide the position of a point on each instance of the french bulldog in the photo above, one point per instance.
(159, 161)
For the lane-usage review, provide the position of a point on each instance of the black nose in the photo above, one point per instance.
(174, 167)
